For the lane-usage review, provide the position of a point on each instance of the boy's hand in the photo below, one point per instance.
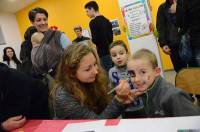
(135, 93)
(13, 123)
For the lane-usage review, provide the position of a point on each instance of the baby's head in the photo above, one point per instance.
(143, 69)
(119, 53)
(37, 38)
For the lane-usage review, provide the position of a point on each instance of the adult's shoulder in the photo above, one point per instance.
(61, 92)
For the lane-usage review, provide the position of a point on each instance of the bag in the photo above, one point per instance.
(48, 54)
(185, 51)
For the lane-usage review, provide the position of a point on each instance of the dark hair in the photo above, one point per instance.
(92, 4)
(6, 58)
(118, 43)
(32, 13)
(29, 32)
(169, 3)
(26, 46)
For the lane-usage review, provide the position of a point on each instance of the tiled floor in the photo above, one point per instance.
(170, 76)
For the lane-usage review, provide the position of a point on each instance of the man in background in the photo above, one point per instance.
(102, 34)
(80, 37)
(168, 34)
(188, 18)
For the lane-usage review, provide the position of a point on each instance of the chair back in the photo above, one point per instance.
(189, 80)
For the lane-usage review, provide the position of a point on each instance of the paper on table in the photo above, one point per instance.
(94, 126)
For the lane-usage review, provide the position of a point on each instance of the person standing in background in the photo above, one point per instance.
(80, 37)
(188, 18)
(10, 59)
(57, 41)
(102, 34)
(168, 34)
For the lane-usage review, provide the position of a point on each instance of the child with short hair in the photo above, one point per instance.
(36, 39)
(119, 55)
(161, 99)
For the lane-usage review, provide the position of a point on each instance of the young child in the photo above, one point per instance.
(119, 55)
(161, 98)
(36, 39)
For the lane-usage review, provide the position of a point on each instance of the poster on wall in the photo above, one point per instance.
(115, 27)
(136, 19)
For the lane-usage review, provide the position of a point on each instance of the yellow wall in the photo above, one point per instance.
(65, 14)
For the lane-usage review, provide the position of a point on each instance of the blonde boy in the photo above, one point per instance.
(160, 98)
(36, 39)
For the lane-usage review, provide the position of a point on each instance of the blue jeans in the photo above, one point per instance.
(106, 62)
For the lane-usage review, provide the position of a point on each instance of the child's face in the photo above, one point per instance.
(78, 33)
(142, 73)
(88, 69)
(119, 55)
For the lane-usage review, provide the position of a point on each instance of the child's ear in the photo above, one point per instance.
(157, 71)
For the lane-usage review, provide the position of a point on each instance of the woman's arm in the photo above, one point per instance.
(64, 41)
(68, 107)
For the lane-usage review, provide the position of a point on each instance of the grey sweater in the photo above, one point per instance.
(68, 107)
(165, 100)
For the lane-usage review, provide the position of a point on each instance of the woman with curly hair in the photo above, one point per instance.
(82, 86)
(10, 59)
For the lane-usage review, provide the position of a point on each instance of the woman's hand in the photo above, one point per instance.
(123, 93)
(13, 123)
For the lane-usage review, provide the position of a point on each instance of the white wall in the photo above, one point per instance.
(9, 26)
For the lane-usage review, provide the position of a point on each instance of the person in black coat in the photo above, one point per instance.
(169, 35)
(22, 95)
(25, 52)
(188, 18)
(102, 34)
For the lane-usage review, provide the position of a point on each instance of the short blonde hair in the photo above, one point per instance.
(146, 54)
(37, 38)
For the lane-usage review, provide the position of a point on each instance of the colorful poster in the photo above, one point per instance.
(115, 27)
(136, 19)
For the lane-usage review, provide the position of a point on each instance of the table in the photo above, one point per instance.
(173, 124)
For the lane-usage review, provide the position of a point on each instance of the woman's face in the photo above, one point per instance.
(88, 69)
(9, 53)
(40, 22)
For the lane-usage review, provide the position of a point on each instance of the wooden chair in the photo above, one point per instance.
(189, 80)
